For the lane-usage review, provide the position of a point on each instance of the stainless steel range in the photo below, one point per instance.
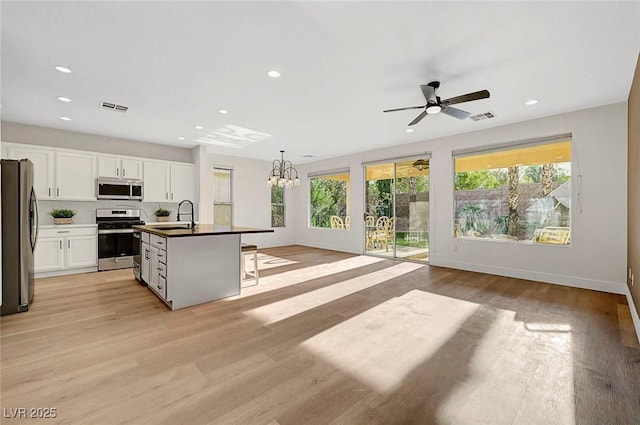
(116, 243)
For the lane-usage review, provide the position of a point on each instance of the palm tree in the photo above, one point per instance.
(514, 177)
(546, 180)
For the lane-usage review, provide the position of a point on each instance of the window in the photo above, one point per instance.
(518, 193)
(222, 199)
(330, 200)
(277, 206)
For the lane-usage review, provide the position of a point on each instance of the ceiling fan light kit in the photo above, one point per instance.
(436, 105)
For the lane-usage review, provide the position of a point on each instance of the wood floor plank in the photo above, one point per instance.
(102, 349)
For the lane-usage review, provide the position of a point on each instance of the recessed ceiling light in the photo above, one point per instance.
(65, 118)
(223, 111)
(180, 138)
(199, 127)
(63, 69)
(273, 74)
(531, 102)
(64, 99)
(409, 130)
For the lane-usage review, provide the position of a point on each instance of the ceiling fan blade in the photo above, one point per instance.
(419, 118)
(482, 94)
(403, 109)
(456, 113)
(429, 92)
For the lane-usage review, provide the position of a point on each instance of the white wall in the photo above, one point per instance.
(43, 136)
(597, 257)
(251, 199)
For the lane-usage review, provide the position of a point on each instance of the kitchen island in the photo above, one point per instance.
(186, 266)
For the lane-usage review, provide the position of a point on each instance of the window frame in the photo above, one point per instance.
(495, 148)
(323, 174)
(230, 202)
(283, 205)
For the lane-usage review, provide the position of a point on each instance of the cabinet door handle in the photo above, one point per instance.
(124, 172)
(64, 231)
(68, 244)
(166, 195)
(49, 192)
(57, 191)
(117, 171)
(60, 244)
(172, 196)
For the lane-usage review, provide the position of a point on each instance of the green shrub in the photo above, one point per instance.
(62, 213)
(161, 212)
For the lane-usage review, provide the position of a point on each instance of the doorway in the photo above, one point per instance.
(397, 209)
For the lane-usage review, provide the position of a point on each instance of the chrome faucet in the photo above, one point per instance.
(193, 223)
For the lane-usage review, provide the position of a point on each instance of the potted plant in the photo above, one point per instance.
(62, 216)
(162, 214)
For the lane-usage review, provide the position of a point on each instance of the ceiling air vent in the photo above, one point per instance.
(480, 117)
(114, 107)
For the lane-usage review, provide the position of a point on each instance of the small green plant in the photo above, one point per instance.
(62, 213)
(161, 212)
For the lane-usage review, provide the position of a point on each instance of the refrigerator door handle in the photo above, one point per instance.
(35, 220)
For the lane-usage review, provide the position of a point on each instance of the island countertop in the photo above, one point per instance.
(170, 231)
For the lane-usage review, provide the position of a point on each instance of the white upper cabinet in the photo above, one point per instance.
(42, 169)
(108, 166)
(154, 177)
(168, 182)
(182, 182)
(116, 167)
(131, 168)
(75, 176)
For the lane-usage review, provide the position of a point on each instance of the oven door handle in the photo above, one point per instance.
(112, 231)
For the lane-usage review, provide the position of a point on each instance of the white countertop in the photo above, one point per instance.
(60, 226)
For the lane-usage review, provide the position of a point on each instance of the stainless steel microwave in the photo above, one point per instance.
(119, 189)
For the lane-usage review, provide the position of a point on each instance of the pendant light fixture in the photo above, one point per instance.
(282, 173)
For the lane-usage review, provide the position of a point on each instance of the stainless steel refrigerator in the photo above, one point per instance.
(19, 235)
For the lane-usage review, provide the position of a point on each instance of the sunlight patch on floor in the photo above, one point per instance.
(526, 368)
(382, 345)
(294, 277)
(289, 307)
(266, 262)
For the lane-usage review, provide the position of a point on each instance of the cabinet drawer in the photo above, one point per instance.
(67, 231)
(158, 242)
(145, 237)
(162, 287)
(162, 270)
(162, 256)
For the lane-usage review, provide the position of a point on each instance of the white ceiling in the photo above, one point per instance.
(174, 64)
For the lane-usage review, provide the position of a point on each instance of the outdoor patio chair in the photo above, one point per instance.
(336, 222)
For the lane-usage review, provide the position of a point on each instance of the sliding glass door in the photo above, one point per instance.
(397, 209)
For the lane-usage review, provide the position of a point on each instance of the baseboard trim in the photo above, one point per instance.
(329, 247)
(575, 282)
(634, 312)
(65, 272)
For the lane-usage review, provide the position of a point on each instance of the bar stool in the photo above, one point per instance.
(248, 250)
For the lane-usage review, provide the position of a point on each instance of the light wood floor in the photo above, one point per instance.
(326, 338)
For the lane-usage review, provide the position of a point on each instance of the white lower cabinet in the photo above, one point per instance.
(48, 255)
(82, 251)
(63, 248)
(154, 264)
(145, 266)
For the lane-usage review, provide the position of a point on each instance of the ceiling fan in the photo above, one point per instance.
(435, 104)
